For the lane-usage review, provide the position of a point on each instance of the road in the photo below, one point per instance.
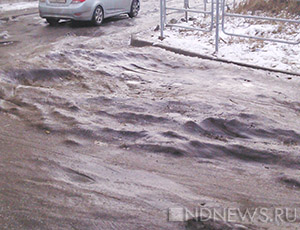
(96, 134)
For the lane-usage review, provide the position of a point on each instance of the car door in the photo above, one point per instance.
(123, 6)
(109, 7)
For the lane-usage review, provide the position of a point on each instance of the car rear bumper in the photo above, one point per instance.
(81, 12)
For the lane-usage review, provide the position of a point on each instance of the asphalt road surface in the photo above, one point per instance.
(96, 134)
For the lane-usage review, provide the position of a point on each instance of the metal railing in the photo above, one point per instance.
(186, 9)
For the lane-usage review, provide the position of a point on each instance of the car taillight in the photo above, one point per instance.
(78, 1)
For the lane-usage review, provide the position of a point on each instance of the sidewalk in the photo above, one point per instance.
(252, 53)
(139, 41)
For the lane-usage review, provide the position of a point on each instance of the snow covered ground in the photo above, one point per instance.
(18, 6)
(266, 54)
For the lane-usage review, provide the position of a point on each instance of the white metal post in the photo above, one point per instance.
(162, 10)
(186, 6)
(217, 25)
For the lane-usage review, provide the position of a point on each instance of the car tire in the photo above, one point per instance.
(98, 16)
(52, 21)
(135, 8)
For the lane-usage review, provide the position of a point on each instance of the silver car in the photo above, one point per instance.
(86, 10)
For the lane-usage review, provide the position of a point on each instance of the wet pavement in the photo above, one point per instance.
(97, 134)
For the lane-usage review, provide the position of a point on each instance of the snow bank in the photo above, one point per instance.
(18, 6)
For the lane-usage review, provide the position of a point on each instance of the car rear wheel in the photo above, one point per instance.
(52, 21)
(98, 16)
(135, 8)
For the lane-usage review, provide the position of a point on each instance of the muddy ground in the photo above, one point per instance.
(96, 134)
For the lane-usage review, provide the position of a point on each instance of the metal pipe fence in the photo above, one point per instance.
(218, 15)
(186, 9)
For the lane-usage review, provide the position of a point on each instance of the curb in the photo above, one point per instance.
(136, 42)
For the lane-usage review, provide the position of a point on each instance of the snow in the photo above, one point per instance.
(256, 52)
(4, 35)
(18, 6)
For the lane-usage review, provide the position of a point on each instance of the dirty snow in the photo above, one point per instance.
(18, 6)
(4, 35)
(266, 54)
(108, 136)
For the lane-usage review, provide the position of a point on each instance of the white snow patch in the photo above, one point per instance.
(18, 6)
(266, 54)
(133, 82)
(4, 35)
